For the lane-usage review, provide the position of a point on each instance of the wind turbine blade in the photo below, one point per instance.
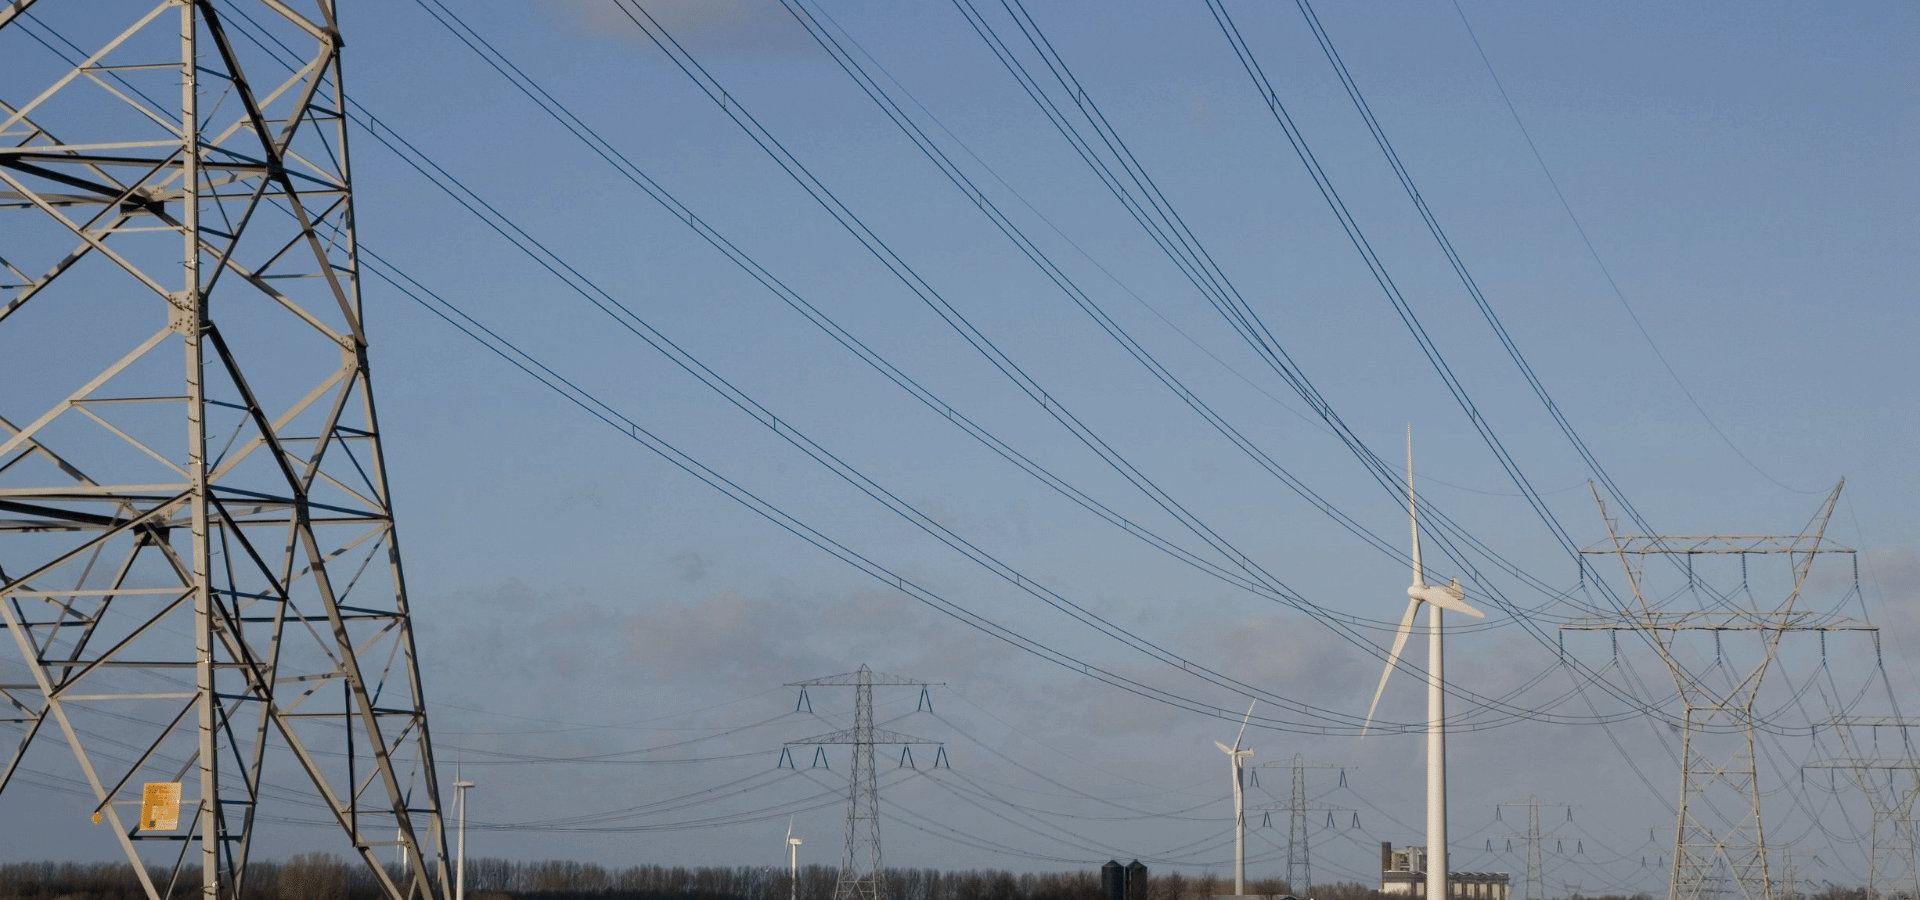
(1413, 514)
(789, 829)
(1393, 658)
(1224, 748)
(1243, 725)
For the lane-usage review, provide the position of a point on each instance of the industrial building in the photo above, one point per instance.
(1403, 873)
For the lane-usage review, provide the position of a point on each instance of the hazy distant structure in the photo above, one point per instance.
(862, 876)
(1128, 882)
(1299, 857)
(793, 862)
(1536, 872)
(1407, 873)
(1113, 881)
(1237, 759)
(1299, 852)
(1891, 867)
(1719, 835)
(1788, 887)
(199, 580)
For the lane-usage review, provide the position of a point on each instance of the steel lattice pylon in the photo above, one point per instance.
(1299, 853)
(862, 874)
(199, 579)
(1536, 885)
(1891, 867)
(1720, 838)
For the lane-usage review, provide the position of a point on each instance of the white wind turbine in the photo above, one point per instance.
(1437, 598)
(793, 862)
(1239, 758)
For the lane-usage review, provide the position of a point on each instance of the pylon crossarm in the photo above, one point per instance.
(1874, 722)
(852, 679)
(861, 736)
(1715, 545)
(1893, 764)
(1720, 620)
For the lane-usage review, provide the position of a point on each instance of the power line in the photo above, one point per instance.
(606, 303)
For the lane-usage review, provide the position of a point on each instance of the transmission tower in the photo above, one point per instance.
(1299, 854)
(1719, 838)
(1788, 885)
(862, 876)
(1890, 862)
(198, 568)
(1536, 872)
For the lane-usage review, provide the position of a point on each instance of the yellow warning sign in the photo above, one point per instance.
(160, 806)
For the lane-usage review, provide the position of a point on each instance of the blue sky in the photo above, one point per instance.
(1727, 327)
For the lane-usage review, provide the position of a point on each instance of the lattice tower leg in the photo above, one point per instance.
(1714, 779)
(197, 553)
(1879, 848)
(1911, 881)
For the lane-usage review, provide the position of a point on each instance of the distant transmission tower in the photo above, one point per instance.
(862, 875)
(1719, 838)
(1299, 853)
(1536, 871)
(1891, 865)
(1788, 885)
(198, 568)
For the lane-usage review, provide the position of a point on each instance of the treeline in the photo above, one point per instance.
(500, 879)
(323, 876)
(311, 876)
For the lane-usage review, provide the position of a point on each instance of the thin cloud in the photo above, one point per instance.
(754, 30)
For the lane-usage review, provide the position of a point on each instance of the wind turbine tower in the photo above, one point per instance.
(793, 863)
(1238, 759)
(199, 571)
(1437, 598)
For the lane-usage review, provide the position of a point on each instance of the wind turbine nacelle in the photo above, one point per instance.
(1447, 598)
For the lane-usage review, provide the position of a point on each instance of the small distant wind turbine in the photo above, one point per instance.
(793, 862)
(1239, 758)
(1437, 598)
